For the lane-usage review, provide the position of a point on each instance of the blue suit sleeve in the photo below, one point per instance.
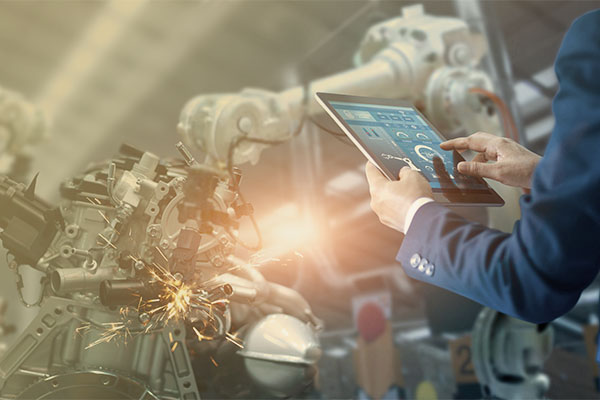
(536, 273)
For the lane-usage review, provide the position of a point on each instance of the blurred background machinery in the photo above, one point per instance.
(509, 356)
(111, 71)
(22, 125)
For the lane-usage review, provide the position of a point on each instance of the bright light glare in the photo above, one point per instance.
(287, 229)
(347, 181)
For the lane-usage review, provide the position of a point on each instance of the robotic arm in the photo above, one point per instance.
(21, 125)
(430, 60)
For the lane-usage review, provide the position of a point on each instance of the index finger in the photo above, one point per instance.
(455, 144)
(476, 142)
(374, 176)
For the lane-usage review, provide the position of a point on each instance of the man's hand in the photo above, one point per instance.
(513, 166)
(391, 199)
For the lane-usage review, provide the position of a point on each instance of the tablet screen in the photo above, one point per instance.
(400, 137)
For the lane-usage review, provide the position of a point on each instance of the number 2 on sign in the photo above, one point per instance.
(464, 354)
(462, 364)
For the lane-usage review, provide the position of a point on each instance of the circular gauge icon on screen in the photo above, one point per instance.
(427, 153)
(422, 136)
(402, 135)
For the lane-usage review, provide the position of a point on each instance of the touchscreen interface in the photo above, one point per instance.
(399, 137)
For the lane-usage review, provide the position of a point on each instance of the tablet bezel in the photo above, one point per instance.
(458, 197)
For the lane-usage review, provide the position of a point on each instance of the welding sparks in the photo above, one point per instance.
(108, 242)
(97, 202)
(94, 201)
(235, 340)
(161, 253)
(260, 258)
(200, 336)
(173, 301)
(83, 329)
(111, 332)
(104, 217)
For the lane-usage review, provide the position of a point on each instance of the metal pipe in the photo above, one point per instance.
(381, 77)
(110, 182)
(66, 280)
(242, 290)
(260, 284)
(292, 303)
(123, 292)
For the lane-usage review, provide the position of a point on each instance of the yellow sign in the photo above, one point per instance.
(462, 363)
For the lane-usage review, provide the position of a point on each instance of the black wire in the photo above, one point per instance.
(259, 238)
(323, 128)
(246, 138)
(339, 136)
(235, 183)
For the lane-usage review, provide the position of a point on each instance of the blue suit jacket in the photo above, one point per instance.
(538, 272)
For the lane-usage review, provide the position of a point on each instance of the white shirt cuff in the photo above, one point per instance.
(412, 210)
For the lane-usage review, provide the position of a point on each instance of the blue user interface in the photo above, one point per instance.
(399, 137)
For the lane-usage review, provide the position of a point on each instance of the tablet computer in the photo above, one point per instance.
(393, 134)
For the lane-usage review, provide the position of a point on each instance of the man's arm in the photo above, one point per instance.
(539, 271)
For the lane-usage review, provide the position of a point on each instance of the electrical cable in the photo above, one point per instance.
(235, 184)
(245, 138)
(259, 238)
(509, 129)
(327, 130)
(339, 136)
(508, 122)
